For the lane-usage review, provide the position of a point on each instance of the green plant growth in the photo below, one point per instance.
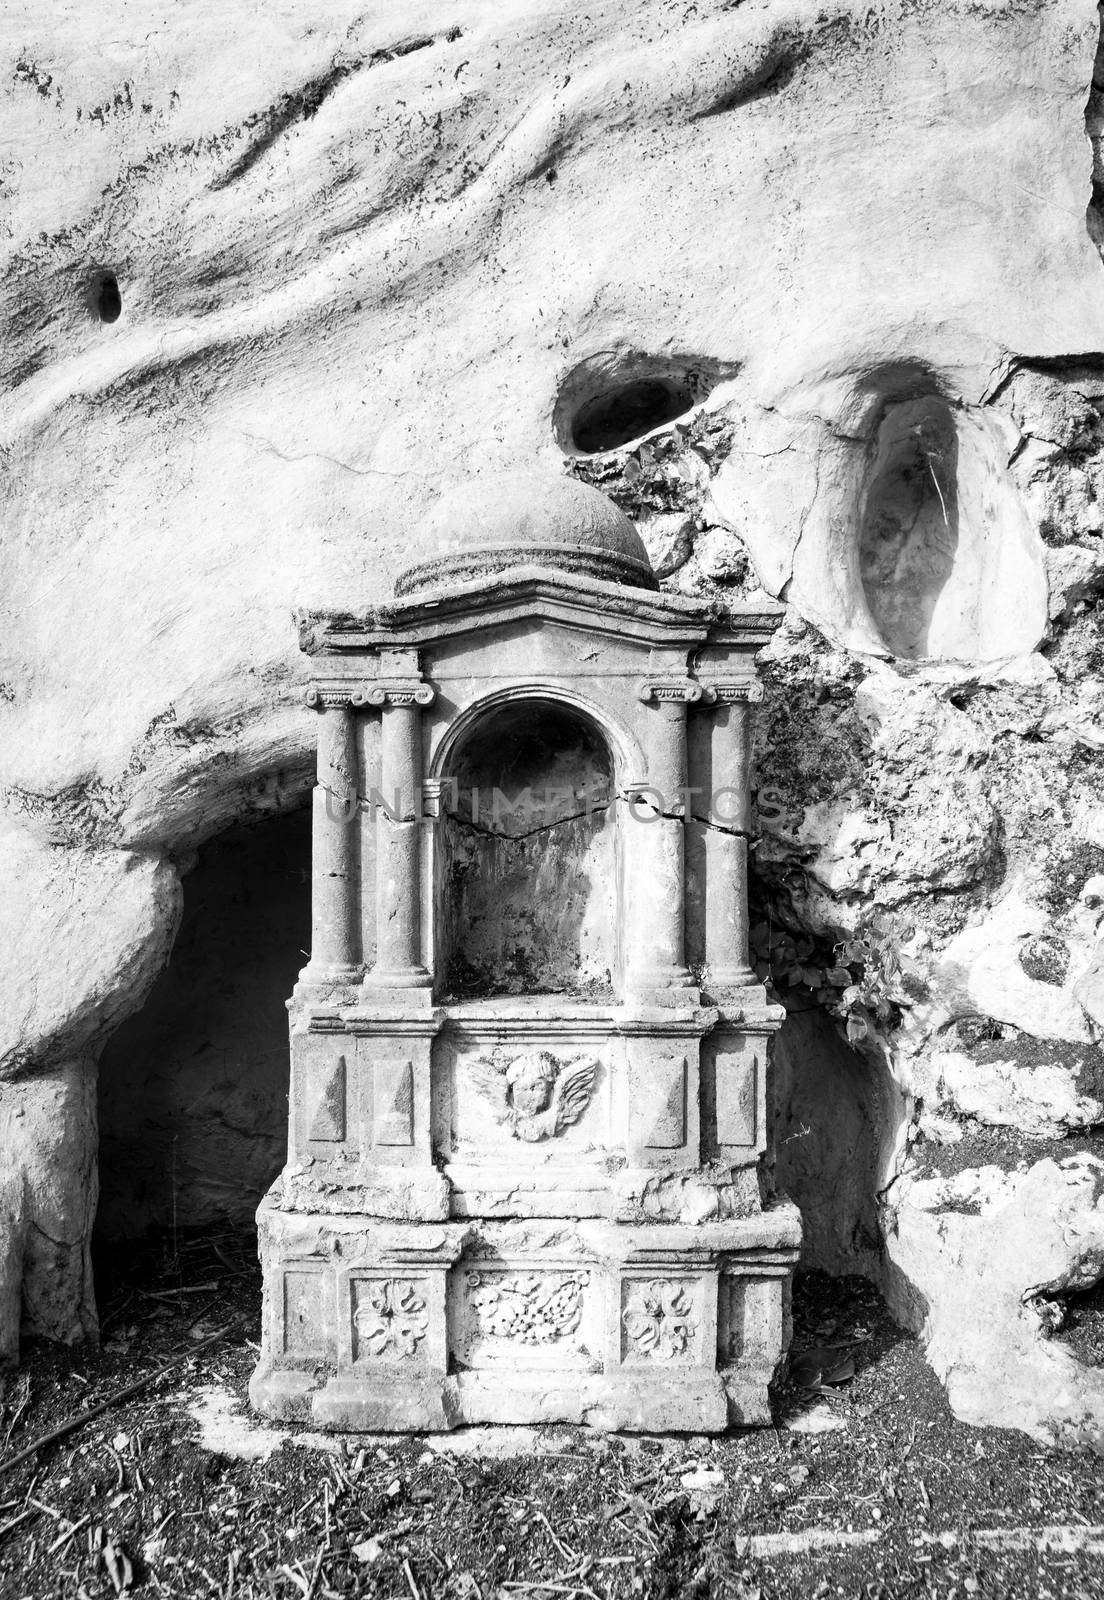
(863, 981)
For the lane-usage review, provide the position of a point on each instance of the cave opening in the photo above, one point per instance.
(629, 411)
(107, 297)
(618, 397)
(193, 1087)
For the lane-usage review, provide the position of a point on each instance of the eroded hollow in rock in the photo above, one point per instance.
(629, 411)
(529, 860)
(193, 1088)
(909, 533)
(106, 297)
(949, 562)
(609, 401)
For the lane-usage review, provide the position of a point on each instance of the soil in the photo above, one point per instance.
(135, 1501)
(1007, 1148)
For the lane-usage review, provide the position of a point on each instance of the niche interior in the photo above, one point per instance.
(950, 564)
(909, 535)
(529, 859)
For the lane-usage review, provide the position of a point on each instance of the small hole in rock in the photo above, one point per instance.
(109, 302)
(622, 414)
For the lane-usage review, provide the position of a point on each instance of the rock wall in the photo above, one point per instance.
(815, 292)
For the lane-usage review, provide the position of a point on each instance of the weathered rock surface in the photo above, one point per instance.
(1005, 1247)
(363, 254)
(86, 932)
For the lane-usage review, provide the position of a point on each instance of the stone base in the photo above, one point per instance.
(417, 1327)
(616, 1403)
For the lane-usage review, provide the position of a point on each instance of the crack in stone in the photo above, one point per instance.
(544, 827)
(60, 1244)
(719, 827)
(316, 455)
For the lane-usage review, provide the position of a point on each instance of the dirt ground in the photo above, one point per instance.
(177, 1491)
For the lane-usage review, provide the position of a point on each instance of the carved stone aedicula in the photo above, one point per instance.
(529, 1055)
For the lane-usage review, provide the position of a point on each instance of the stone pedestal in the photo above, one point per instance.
(653, 1327)
(501, 1203)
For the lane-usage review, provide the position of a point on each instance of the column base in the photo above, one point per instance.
(665, 998)
(662, 986)
(729, 977)
(407, 987)
(326, 985)
(339, 972)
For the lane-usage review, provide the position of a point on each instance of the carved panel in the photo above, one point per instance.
(659, 1102)
(732, 1319)
(661, 1319)
(751, 1313)
(529, 1096)
(737, 1091)
(327, 1119)
(323, 1092)
(390, 1318)
(520, 1318)
(393, 1102)
(305, 1311)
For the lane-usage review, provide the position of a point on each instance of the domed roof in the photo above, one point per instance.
(527, 519)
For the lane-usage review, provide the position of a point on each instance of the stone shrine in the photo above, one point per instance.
(527, 1177)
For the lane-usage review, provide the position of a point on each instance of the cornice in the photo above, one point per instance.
(534, 593)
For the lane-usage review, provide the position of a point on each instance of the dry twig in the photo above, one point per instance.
(115, 1399)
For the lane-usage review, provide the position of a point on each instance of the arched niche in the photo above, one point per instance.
(950, 565)
(526, 880)
(909, 535)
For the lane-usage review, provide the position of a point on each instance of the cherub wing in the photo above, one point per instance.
(490, 1079)
(572, 1093)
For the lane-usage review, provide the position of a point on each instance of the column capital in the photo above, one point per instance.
(670, 690)
(336, 696)
(411, 692)
(741, 689)
(328, 697)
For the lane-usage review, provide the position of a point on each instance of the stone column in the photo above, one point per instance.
(399, 962)
(335, 932)
(726, 837)
(655, 846)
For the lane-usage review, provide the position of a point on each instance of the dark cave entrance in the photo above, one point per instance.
(193, 1088)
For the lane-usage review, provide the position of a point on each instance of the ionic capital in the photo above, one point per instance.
(670, 690)
(410, 693)
(744, 689)
(327, 698)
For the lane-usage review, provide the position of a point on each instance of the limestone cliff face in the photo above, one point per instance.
(275, 280)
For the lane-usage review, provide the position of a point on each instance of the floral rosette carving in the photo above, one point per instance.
(660, 1318)
(392, 1316)
(529, 1308)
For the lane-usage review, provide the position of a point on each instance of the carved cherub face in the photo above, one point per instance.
(531, 1082)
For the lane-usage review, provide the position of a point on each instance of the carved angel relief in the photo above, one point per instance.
(536, 1096)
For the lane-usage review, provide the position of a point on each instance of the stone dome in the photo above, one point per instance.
(530, 519)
